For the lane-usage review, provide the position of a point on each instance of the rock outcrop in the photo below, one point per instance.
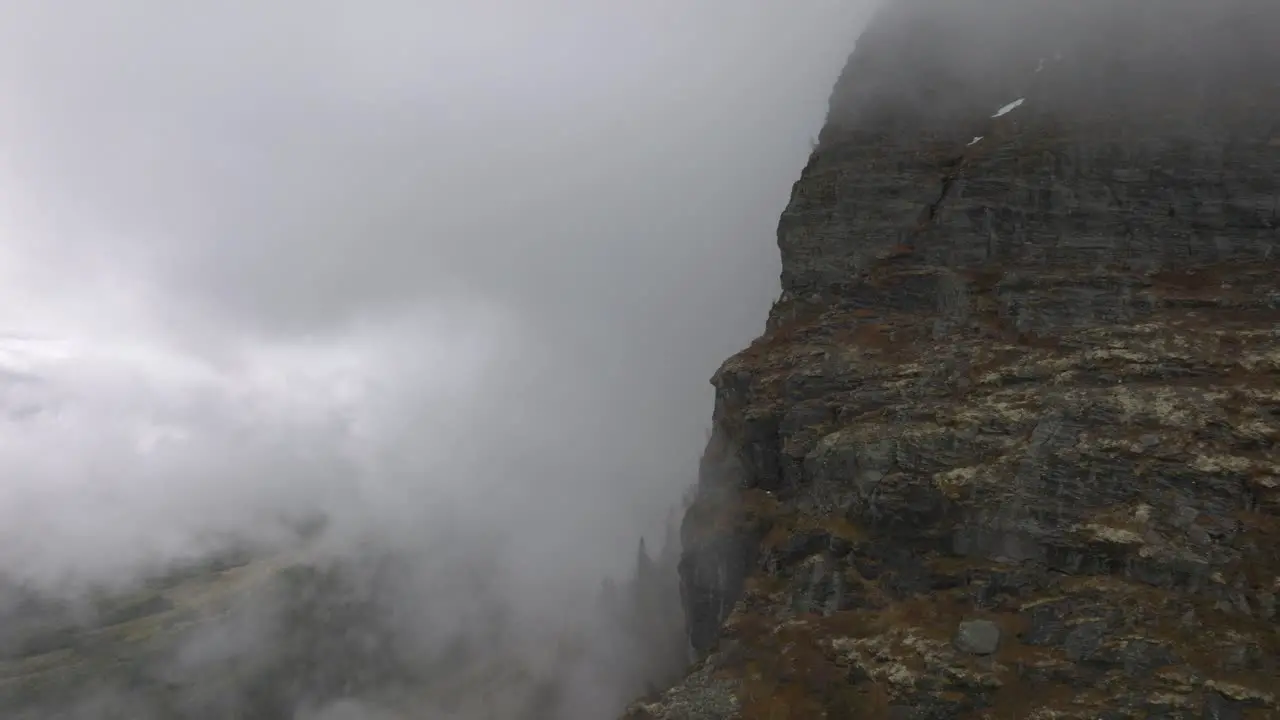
(1010, 444)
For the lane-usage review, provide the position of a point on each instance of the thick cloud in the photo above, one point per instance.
(604, 178)
(393, 261)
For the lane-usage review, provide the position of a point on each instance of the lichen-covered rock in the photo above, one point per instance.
(1025, 372)
(702, 696)
(979, 637)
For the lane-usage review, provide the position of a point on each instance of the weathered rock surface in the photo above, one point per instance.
(1025, 370)
(979, 637)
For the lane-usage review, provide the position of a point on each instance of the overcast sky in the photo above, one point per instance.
(489, 251)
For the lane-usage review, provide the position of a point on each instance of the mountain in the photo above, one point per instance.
(1009, 446)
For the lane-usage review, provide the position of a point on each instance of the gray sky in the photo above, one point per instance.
(378, 255)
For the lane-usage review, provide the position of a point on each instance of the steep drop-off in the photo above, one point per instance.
(1008, 447)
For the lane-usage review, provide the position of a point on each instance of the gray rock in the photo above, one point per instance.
(1217, 707)
(978, 637)
(1085, 639)
(1267, 601)
(1049, 352)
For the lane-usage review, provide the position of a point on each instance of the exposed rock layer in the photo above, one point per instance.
(1025, 370)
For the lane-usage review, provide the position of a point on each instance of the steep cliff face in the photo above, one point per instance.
(1010, 444)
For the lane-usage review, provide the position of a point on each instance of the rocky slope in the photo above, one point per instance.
(308, 633)
(1010, 444)
(235, 637)
(293, 635)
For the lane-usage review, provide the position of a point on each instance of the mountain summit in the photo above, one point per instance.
(1008, 447)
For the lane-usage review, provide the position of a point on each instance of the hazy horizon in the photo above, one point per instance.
(447, 274)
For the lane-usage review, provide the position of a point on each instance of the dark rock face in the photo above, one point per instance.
(1025, 370)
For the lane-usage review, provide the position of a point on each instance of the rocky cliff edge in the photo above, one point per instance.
(1008, 447)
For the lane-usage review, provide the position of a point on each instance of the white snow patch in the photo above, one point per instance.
(1040, 66)
(1009, 108)
(975, 140)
